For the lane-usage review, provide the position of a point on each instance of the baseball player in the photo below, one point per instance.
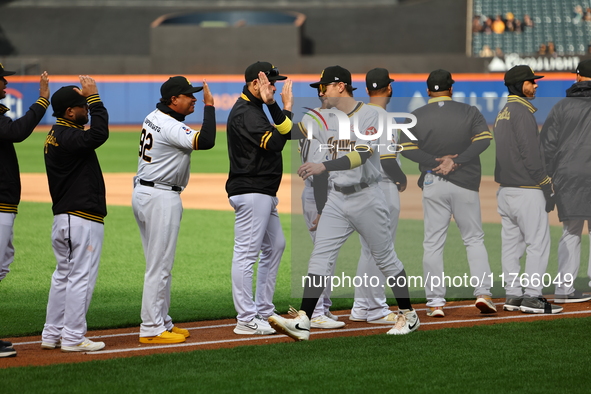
(254, 149)
(370, 301)
(355, 202)
(77, 190)
(566, 140)
(525, 195)
(10, 182)
(164, 162)
(313, 200)
(451, 136)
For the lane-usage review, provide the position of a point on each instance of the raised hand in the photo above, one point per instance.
(88, 86)
(44, 85)
(207, 96)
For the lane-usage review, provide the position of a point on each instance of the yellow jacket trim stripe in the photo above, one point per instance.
(265, 139)
(87, 216)
(546, 181)
(42, 101)
(516, 99)
(437, 99)
(93, 98)
(67, 123)
(285, 127)
(388, 156)
(9, 208)
(354, 158)
(244, 97)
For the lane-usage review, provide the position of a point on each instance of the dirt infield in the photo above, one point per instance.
(206, 191)
(218, 334)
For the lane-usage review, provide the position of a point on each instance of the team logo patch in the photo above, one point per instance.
(187, 130)
(370, 131)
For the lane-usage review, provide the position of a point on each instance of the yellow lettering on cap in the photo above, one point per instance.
(188, 82)
(321, 74)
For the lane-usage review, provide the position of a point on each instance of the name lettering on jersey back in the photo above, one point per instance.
(50, 140)
(503, 115)
(152, 126)
(334, 146)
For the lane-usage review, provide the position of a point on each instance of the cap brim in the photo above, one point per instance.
(7, 73)
(277, 78)
(538, 76)
(194, 89)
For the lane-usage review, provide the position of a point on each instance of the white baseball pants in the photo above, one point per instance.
(569, 253)
(257, 229)
(370, 302)
(441, 200)
(6, 247)
(158, 214)
(525, 230)
(366, 212)
(77, 245)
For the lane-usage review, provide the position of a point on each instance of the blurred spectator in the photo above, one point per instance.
(477, 24)
(551, 50)
(518, 26)
(498, 25)
(587, 17)
(543, 49)
(528, 23)
(487, 26)
(578, 17)
(499, 52)
(509, 22)
(486, 51)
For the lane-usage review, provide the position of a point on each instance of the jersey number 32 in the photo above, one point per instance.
(146, 142)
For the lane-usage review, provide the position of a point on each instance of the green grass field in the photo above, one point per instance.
(504, 357)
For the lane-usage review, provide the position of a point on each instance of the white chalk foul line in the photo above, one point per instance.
(268, 337)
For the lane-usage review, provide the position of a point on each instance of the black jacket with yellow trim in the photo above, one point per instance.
(74, 174)
(519, 157)
(11, 132)
(447, 127)
(255, 145)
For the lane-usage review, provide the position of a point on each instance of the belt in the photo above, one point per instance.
(161, 186)
(351, 189)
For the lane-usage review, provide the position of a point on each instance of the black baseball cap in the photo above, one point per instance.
(272, 72)
(439, 80)
(519, 74)
(175, 86)
(378, 78)
(584, 68)
(333, 74)
(4, 73)
(64, 98)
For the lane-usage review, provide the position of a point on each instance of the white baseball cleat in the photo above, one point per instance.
(86, 346)
(50, 345)
(331, 316)
(297, 328)
(406, 323)
(323, 321)
(257, 326)
(390, 319)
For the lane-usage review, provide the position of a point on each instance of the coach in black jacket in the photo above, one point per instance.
(10, 182)
(566, 140)
(77, 190)
(254, 149)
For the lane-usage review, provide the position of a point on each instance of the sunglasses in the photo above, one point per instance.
(272, 72)
(322, 88)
